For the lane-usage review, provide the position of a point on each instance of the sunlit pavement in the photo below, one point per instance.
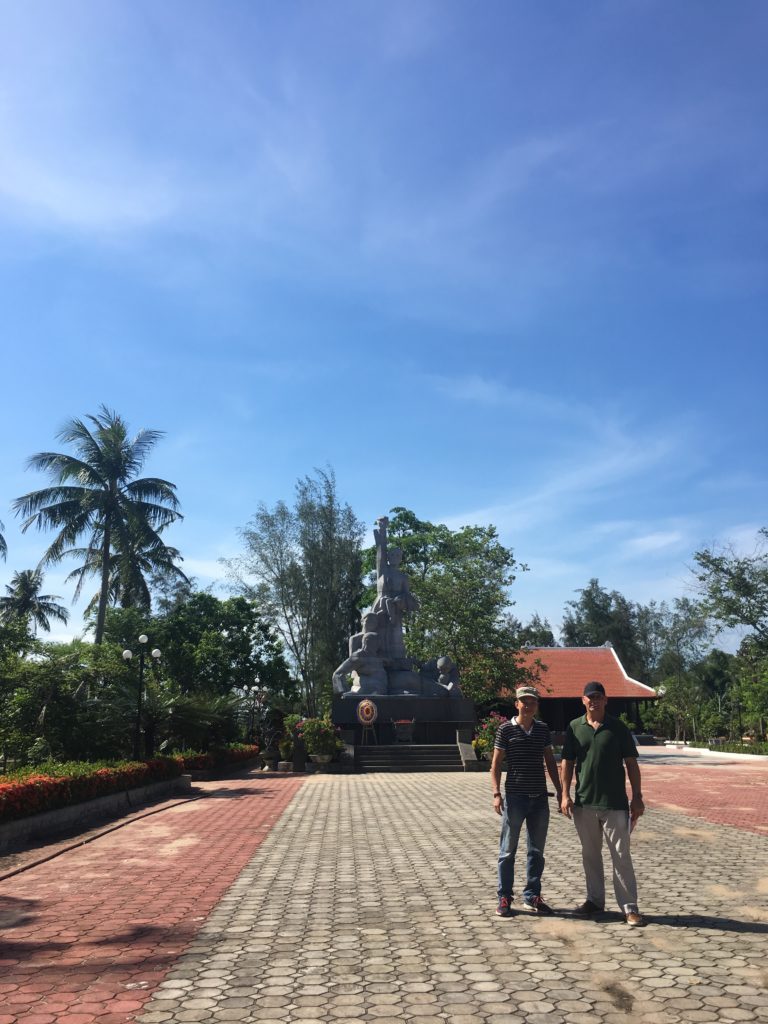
(371, 899)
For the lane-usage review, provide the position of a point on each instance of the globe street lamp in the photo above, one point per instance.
(127, 655)
(255, 695)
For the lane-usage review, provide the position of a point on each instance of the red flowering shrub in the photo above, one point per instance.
(50, 786)
(196, 761)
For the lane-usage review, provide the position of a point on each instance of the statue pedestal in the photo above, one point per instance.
(436, 719)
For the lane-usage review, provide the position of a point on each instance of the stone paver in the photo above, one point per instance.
(88, 935)
(719, 793)
(372, 901)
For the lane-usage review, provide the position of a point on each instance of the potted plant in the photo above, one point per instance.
(320, 737)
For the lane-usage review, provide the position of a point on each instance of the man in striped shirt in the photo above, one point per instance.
(526, 744)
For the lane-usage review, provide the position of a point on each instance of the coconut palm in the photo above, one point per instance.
(3, 545)
(23, 600)
(131, 571)
(96, 496)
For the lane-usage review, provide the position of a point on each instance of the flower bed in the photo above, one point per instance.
(51, 786)
(213, 759)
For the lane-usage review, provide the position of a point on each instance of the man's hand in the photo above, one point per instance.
(566, 805)
(636, 808)
(498, 803)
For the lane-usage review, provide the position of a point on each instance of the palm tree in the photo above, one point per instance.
(24, 601)
(96, 495)
(3, 545)
(132, 571)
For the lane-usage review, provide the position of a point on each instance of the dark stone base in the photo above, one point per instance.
(436, 719)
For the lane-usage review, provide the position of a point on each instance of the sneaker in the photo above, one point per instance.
(504, 908)
(634, 919)
(536, 905)
(587, 909)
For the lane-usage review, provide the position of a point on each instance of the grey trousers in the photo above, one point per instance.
(592, 825)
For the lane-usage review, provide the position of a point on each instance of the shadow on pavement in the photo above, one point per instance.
(226, 794)
(14, 913)
(721, 924)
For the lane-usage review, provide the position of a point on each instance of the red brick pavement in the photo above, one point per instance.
(734, 793)
(90, 934)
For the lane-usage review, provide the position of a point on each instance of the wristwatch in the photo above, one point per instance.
(496, 794)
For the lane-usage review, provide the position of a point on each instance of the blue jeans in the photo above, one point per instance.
(534, 811)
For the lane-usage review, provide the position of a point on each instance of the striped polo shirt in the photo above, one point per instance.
(525, 756)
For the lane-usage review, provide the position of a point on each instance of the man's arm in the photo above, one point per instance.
(551, 765)
(636, 805)
(566, 775)
(498, 758)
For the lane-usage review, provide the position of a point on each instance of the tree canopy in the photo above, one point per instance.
(23, 600)
(97, 494)
(302, 565)
(735, 588)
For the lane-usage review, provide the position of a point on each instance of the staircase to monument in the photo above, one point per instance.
(409, 757)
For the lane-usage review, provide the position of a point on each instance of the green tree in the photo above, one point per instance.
(23, 600)
(209, 645)
(135, 570)
(302, 565)
(462, 579)
(599, 616)
(3, 543)
(96, 494)
(537, 632)
(735, 588)
(735, 593)
(685, 634)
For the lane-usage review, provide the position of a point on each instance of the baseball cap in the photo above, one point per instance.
(526, 691)
(594, 687)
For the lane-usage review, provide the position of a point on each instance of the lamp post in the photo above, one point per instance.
(127, 655)
(255, 695)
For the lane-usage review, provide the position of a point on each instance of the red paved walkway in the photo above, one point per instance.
(733, 794)
(94, 931)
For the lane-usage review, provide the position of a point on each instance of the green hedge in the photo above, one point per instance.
(734, 748)
(50, 786)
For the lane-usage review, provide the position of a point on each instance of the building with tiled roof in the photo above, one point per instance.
(564, 671)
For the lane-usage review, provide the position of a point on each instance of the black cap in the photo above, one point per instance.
(594, 687)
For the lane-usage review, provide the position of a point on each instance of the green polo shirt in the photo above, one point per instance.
(599, 755)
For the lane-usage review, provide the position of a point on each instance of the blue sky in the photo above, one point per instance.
(497, 263)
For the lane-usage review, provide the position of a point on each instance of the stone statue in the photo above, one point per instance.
(370, 624)
(449, 676)
(378, 660)
(366, 666)
(393, 597)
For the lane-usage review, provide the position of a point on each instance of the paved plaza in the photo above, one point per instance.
(342, 898)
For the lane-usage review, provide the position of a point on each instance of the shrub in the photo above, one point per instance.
(320, 735)
(195, 760)
(734, 748)
(485, 733)
(49, 786)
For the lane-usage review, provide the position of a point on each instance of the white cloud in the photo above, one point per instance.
(659, 540)
(97, 194)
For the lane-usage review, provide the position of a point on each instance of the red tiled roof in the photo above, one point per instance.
(569, 669)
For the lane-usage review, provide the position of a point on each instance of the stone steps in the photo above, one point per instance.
(409, 757)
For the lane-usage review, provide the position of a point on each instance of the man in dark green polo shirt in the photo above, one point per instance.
(599, 747)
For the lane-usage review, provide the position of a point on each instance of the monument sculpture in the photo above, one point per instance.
(378, 662)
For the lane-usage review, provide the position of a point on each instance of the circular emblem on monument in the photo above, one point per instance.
(367, 712)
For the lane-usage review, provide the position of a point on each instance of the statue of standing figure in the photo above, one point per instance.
(393, 598)
(378, 661)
